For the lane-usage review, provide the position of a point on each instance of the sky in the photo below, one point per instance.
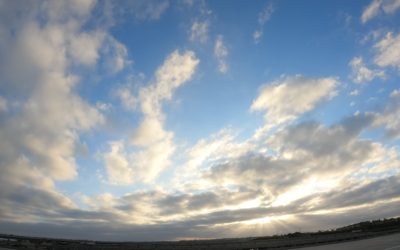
(169, 120)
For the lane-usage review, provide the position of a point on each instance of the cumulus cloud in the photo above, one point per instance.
(310, 157)
(371, 192)
(219, 147)
(117, 165)
(388, 51)
(41, 44)
(285, 99)
(49, 136)
(85, 48)
(199, 31)
(221, 52)
(362, 74)
(155, 144)
(39, 141)
(263, 17)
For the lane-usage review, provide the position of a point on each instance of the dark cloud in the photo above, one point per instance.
(256, 170)
(375, 191)
(301, 151)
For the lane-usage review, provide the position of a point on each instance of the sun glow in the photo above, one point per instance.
(249, 204)
(309, 187)
(268, 219)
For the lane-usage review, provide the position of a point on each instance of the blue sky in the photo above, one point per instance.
(197, 119)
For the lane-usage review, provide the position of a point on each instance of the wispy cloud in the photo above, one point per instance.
(221, 52)
(362, 74)
(378, 6)
(128, 99)
(263, 17)
(144, 10)
(286, 98)
(199, 32)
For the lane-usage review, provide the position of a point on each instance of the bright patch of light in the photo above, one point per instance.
(311, 186)
(268, 219)
(249, 204)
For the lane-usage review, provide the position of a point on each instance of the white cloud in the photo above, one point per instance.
(389, 117)
(391, 6)
(290, 96)
(176, 70)
(61, 11)
(221, 52)
(149, 131)
(129, 101)
(209, 149)
(377, 6)
(199, 32)
(388, 51)
(263, 17)
(371, 11)
(84, 48)
(362, 74)
(49, 136)
(154, 144)
(117, 165)
(38, 142)
(154, 158)
(116, 55)
(157, 143)
(217, 148)
(355, 92)
(306, 153)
